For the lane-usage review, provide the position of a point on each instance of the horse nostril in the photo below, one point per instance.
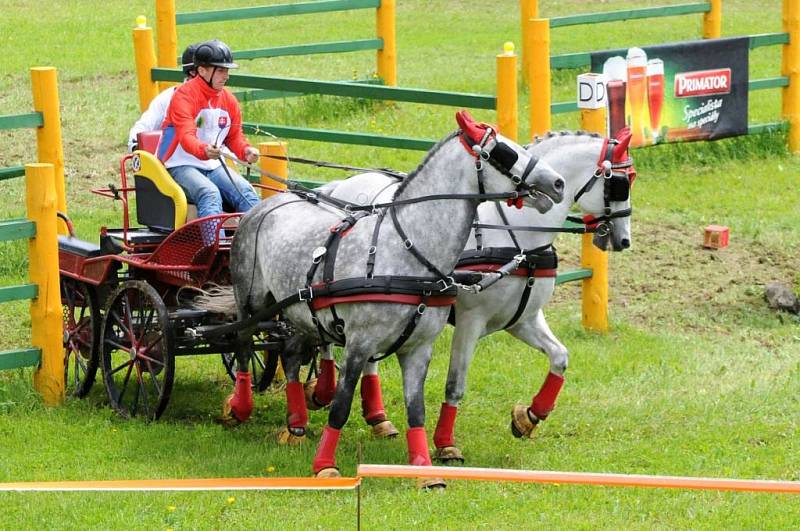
(625, 243)
(559, 185)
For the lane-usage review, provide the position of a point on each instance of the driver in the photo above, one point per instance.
(202, 118)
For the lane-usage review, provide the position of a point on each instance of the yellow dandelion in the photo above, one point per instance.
(171, 508)
(231, 500)
(270, 469)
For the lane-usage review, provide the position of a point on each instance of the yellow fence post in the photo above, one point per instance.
(279, 165)
(528, 9)
(386, 30)
(539, 75)
(40, 201)
(44, 85)
(712, 20)
(790, 67)
(507, 102)
(594, 289)
(167, 35)
(145, 54)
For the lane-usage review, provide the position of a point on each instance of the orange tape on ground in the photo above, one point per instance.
(188, 484)
(577, 478)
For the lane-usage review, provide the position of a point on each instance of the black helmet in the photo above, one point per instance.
(214, 53)
(187, 59)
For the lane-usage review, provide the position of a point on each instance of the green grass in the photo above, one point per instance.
(698, 377)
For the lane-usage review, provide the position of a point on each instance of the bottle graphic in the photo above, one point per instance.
(616, 106)
(655, 95)
(637, 93)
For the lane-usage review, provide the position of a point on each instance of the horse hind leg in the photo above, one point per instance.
(372, 408)
(319, 391)
(294, 433)
(537, 333)
(238, 406)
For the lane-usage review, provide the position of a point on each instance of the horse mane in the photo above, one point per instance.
(557, 138)
(431, 153)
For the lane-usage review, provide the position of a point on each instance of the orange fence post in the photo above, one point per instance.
(167, 33)
(273, 160)
(790, 67)
(712, 21)
(40, 201)
(538, 44)
(145, 55)
(507, 102)
(386, 30)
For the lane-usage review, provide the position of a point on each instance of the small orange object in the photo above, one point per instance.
(716, 236)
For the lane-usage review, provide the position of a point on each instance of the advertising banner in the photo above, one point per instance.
(685, 91)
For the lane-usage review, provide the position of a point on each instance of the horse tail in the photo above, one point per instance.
(216, 299)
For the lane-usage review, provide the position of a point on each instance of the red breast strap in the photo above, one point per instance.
(433, 301)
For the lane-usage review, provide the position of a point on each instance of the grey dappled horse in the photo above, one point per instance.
(277, 241)
(578, 157)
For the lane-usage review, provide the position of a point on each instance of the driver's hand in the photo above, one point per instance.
(212, 152)
(251, 154)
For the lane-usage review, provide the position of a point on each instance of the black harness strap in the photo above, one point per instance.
(405, 334)
(373, 246)
(505, 222)
(409, 245)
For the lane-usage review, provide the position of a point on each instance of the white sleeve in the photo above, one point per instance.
(153, 117)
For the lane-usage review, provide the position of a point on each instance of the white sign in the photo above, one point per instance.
(591, 91)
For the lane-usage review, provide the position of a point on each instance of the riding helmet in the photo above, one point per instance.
(214, 53)
(187, 59)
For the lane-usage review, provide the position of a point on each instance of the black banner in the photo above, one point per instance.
(693, 90)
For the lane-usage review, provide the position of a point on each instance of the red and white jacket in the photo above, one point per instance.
(198, 116)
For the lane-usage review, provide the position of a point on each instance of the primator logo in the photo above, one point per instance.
(703, 83)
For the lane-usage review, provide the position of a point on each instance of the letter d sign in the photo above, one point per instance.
(591, 91)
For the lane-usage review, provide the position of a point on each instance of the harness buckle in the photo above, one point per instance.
(372, 250)
(408, 244)
(516, 179)
(317, 254)
(603, 229)
(531, 281)
(421, 308)
(446, 282)
(306, 294)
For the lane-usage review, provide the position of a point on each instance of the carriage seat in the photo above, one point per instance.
(79, 247)
(161, 204)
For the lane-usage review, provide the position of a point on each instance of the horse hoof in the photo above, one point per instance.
(228, 417)
(521, 423)
(384, 430)
(448, 454)
(287, 438)
(308, 389)
(431, 484)
(328, 473)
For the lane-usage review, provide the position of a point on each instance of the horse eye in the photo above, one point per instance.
(504, 155)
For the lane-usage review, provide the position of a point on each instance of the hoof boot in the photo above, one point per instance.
(384, 430)
(331, 472)
(431, 484)
(228, 417)
(448, 454)
(291, 437)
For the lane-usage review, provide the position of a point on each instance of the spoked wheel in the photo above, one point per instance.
(81, 331)
(137, 351)
(263, 365)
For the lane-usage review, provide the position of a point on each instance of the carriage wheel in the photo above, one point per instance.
(263, 366)
(137, 351)
(81, 331)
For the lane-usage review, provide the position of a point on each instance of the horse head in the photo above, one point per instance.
(537, 183)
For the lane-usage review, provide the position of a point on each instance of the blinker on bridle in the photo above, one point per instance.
(489, 149)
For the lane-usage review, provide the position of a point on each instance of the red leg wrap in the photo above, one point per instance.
(242, 401)
(443, 436)
(545, 400)
(371, 399)
(297, 416)
(326, 383)
(418, 454)
(326, 451)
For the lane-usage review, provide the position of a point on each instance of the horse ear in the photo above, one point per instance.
(467, 124)
(621, 149)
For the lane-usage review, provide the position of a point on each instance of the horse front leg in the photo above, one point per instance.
(414, 365)
(319, 391)
(372, 407)
(324, 464)
(462, 349)
(238, 406)
(537, 333)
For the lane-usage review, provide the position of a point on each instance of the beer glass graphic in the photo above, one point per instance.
(615, 69)
(655, 94)
(637, 93)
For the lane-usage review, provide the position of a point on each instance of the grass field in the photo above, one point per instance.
(697, 377)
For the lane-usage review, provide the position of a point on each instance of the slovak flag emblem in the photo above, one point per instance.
(222, 122)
